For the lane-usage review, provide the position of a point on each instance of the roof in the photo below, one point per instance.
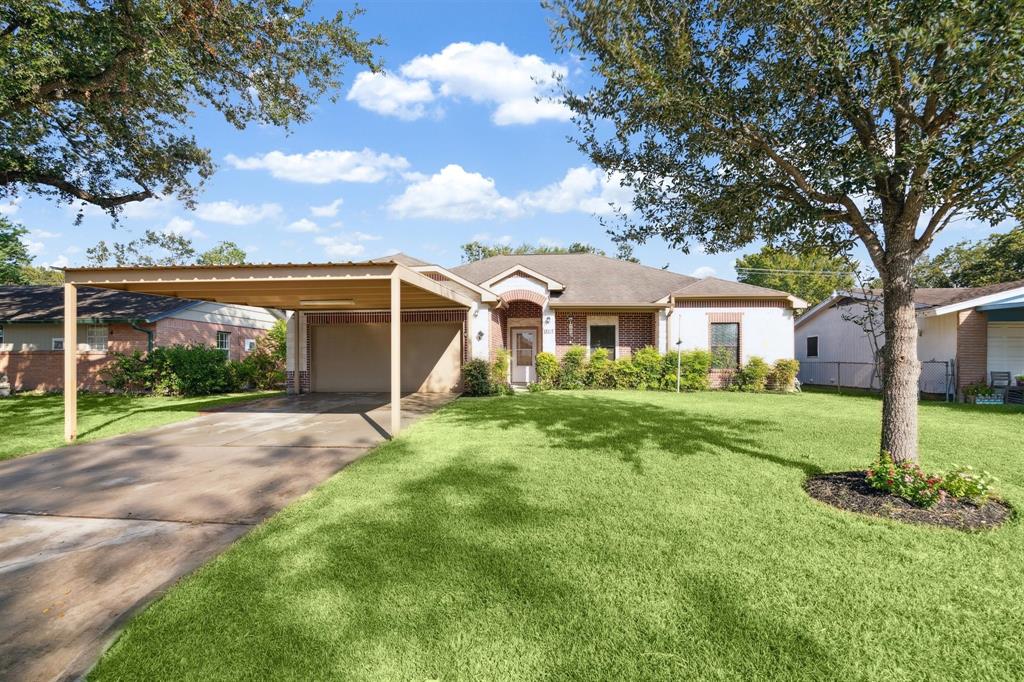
(714, 287)
(46, 304)
(400, 258)
(589, 279)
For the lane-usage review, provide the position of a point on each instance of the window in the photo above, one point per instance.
(603, 336)
(1, 333)
(250, 345)
(812, 346)
(224, 342)
(57, 343)
(96, 337)
(725, 345)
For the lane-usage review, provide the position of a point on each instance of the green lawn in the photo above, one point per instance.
(36, 422)
(614, 536)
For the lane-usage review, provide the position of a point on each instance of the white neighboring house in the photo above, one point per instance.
(978, 330)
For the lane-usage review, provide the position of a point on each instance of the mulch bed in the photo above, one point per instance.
(849, 490)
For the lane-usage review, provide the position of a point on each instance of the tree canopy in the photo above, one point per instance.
(476, 250)
(812, 274)
(96, 98)
(995, 259)
(224, 253)
(162, 248)
(14, 255)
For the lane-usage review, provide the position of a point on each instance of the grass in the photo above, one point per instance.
(608, 536)
(36, 422)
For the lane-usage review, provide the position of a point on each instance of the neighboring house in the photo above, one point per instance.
(975, 330)
(109, 321)
(533, 303)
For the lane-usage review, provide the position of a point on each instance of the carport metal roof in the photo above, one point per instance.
(377, 285)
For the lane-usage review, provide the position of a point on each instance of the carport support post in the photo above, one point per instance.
(70, 362)
(396, 354)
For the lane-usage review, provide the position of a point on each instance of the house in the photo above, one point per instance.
(964, 334)
(109, 321)
(401, 325)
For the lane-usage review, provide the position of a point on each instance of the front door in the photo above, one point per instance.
(524, 352)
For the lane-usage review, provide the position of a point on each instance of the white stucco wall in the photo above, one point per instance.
(479, 326)
(765, 332)
(520, 282)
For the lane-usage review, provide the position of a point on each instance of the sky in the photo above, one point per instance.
(449, 146)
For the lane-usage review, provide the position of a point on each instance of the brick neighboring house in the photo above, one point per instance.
(979, 329)
(110, 321)
(533, 303)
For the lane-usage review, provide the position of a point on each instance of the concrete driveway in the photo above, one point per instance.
(91, 533)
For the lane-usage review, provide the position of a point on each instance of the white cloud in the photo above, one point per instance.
(488, 238)
(582, 189)
(486, 72)
(303, 225)
(34, 247)
(704, 271)
(231, 213)
(59, 262)
(183, 227)
(453, 194)
(322, 166)
(551, 243)
(364, 237)
(44, 234)
(10, 207)
(391, 95)
(327, 211)
(339, 246)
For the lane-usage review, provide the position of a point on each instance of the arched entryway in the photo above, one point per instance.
(523, 321)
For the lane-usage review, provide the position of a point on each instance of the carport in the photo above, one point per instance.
(378, 287)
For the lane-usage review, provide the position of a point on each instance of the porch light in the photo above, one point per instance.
(328, 302)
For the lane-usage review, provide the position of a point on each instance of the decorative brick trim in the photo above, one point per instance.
(729, 303)
(515, 295)
(723, 377)
(524, 310)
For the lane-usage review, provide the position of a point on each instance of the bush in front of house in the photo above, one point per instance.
(572, 370)
(129, 374)
(693, 366)
(191, 370)
(600, 371)
(499, 373)
(783, 375)
(650, 368)
(753, 376)
(476, 378)
(547, 371)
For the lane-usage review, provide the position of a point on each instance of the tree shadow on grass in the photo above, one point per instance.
(601, 421)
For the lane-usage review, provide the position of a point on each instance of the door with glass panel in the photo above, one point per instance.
(524, 356)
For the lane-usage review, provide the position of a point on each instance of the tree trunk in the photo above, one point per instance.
(900, 369)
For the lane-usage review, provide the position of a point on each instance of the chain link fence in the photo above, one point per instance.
(937, 380)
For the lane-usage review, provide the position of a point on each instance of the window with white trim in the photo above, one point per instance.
(224, 342)
(250, 345)
(96, 336)
(57, 343)
(812, 346)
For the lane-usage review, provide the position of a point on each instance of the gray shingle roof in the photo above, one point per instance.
(46, 304)
(712, 287)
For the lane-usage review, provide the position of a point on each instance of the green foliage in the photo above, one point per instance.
(14, 255)
(476, 378)
(278, 339)
(811, 274)
(97, 98)
(600, 370)
(627, 376)
(499, 373)
(650, 368)
(264, 366)
(152, 248)
(978, 389)
(476, 250)
(996, 259)
(176, 370)
(905, 480)
(572, 372)
(976, 487)
(547, 370)
(693, 366)
(129, 374)
(783, 375)
(33, 274)
(224, 253)
(753, 376)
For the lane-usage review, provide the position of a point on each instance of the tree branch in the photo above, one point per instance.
(67, 187)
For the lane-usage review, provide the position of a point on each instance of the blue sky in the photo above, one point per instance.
(449, 147)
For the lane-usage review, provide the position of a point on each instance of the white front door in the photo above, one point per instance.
(524, 352)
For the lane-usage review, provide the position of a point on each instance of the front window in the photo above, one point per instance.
(603, 336)
(96, 338)
(725, 345)
(812, 346)
(224, 341)
(57, 343)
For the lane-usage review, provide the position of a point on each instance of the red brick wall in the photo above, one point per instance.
(636, 330)
(175, 332)
(43, 370)
(971, 348)
(497, 332)
(523, 309)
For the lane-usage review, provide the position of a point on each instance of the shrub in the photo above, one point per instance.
(129, 374)
(476, 378)
(547, 370)
(905, 480)
(625, 374)
(499, 373)
(693, 368)
(753, 376)
(535, 388)
(600, 370)
(572, 370)
(783, 375)
(649, 368)
(263, 368)
(978, 389)
(965, 483)
(190, 370)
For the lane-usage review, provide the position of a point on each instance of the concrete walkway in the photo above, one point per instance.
(91, 533)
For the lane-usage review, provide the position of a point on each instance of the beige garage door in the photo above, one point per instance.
(354, 358)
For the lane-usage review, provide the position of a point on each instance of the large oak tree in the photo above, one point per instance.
(809, 121)
(96, 97)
